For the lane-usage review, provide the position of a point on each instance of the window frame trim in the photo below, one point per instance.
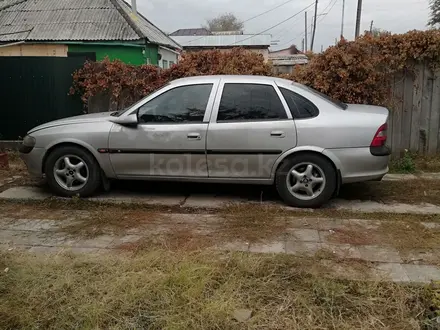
(209, 106)
(224, 81)
(301, 96)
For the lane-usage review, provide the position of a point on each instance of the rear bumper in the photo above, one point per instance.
(380, 151)
(34, 161)
(359, 164)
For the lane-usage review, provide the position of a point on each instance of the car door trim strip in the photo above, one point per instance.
(244, 152)
(192, 152)
(152, 151)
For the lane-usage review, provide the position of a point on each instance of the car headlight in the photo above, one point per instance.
(29, 141)
(27, 145)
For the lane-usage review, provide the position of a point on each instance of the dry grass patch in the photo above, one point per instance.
(109, 221)
(178, 240)
(252, 223)
(16, 168)
(410, 191)
(427, 163)
(406, 235)
(400, 233)
(23, 211)
(180, 290)
(74, 205)
(356, 235)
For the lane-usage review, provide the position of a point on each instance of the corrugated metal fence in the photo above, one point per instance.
(415, 116)
(34, 90)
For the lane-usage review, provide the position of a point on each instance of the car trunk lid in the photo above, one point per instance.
(371, 109)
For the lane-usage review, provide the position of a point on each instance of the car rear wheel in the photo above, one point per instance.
(72, 171)
(306, 180)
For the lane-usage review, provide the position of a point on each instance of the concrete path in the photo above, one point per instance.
(296, 236)
(213, 201)
(388, 177)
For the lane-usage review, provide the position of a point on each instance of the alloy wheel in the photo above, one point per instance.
(306, 181)
(71, 172)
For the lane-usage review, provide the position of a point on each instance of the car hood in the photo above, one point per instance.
(89, 118)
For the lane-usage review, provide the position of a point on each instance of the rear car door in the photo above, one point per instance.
(170, 139)
(250, 128)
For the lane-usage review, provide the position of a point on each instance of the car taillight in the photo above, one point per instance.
(380, 138)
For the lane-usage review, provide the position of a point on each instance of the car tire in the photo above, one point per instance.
(286, 182)
(60, 174)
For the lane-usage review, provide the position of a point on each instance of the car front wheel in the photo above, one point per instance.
(72, 171)
(306, 180)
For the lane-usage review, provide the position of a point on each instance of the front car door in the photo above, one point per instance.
(170, 139)
(250, 127)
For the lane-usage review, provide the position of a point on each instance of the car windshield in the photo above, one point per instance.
(338, 103)
(135, 105)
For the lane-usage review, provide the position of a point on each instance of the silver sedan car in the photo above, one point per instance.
(218, 129)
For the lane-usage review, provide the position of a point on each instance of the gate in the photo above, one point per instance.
(34, 90)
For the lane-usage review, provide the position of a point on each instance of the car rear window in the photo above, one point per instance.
(337, 103)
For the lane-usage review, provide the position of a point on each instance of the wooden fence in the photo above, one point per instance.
(415, 115)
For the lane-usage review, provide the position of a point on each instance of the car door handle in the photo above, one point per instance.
(278, 134)
(194, 136)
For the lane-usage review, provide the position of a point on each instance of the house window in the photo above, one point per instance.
(171, 63)
(165, 64)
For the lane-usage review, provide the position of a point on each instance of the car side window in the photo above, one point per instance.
(179, 105)
(250, 102)
(300, 107)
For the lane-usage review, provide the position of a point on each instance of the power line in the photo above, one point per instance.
(272, 27)
(282, 32)
(302, 33)
(256, 16)
(267, 11)
(324, 14)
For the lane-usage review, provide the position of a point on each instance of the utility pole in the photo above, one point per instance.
(322, 48)
(303, 48)
(343, 17)
(134, 7)
(314, 25)
(358, 19)
(305, 36)
(371, 27)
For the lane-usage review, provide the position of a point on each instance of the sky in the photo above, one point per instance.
(397, 16)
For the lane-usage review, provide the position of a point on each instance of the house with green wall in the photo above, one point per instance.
(94, 29)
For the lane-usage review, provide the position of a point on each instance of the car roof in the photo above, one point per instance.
(241, 78)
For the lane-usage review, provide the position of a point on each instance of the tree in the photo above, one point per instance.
(224, 22)
(435, 12)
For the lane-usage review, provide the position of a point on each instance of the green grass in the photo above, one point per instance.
(200, 290)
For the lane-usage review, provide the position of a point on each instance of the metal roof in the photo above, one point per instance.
(148, 29)
(224, 40)
(8, 3)
(81, 20)
(191, 32)
(289, 59)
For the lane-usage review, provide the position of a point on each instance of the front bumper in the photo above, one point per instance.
(34, 161)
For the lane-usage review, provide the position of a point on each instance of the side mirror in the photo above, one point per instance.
(130, 120)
